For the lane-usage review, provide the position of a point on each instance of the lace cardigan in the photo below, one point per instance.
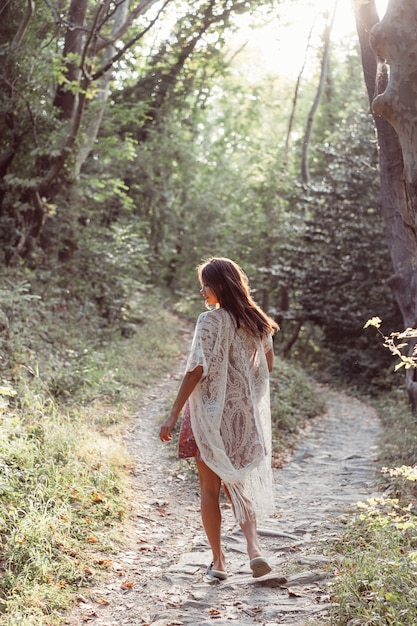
(230, 410)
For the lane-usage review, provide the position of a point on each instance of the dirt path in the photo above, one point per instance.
(161, 579)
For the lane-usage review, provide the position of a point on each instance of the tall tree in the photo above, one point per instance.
(393, 40)
(305, 172)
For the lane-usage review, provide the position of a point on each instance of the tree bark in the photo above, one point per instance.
(394, 39)
(65, 97)
(395, 118)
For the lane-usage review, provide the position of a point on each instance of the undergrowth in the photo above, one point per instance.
(69, 383)
(376, 558)
(293, 402)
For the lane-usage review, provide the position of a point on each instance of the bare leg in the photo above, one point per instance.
(251, 536)
(210, 485)
(259, 565)
(249, 530)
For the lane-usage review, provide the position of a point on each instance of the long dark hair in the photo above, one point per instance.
(231, 286)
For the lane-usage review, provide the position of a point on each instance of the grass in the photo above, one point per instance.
(63, 494)
(376, 559)
(64, 470)
(293, 402)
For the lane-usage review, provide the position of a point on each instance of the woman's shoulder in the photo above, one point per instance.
(214, 317)
(219, 313)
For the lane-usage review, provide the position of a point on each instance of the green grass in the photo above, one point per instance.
(63, 493)
(376, 559)
(293, 401)
(375, 582)
(64, 470)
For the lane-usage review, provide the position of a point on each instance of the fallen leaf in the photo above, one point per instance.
(163, 511)
(126, 585)
(81, 598)
(98, 497)
(104, 562)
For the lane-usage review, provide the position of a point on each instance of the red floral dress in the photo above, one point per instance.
(187, 446)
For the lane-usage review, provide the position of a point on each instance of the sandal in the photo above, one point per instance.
(259, 567)
(216, 573)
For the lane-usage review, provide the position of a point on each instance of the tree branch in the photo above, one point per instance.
(127, 46)
(17, 40)
(305, 174)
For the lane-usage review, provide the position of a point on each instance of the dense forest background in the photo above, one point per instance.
(139, 137)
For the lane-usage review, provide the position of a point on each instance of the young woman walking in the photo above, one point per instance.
(226, 424)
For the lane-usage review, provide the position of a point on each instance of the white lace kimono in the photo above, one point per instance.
(230, 410)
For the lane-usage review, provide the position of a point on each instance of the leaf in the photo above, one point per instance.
(214, 612)
(126, 584)
(105, 562)
(374, 321)
(98, 497)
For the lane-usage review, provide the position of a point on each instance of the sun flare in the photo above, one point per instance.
(282, 41)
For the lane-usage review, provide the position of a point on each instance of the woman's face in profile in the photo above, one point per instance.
(208, 295)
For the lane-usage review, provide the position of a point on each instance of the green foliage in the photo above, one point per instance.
(337, 270)
(191, 160)
(66, 393)
(293, 402)
(375, 583)
(399, 437)
(375, 559)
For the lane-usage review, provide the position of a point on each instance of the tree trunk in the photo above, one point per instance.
(94, 123)
(394, 39)
(305, 172)
(65, 97)
(394, 107)
(17, 40)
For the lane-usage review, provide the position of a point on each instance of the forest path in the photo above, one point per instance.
(161, 580)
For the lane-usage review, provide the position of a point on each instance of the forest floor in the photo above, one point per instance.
(160, 578)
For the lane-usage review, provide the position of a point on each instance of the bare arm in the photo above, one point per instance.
(189, 381)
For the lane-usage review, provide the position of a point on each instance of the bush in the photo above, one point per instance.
(293, 401)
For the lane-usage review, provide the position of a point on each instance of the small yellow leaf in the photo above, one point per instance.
(374, 321)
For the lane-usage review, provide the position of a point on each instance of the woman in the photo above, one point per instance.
(226, 392)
